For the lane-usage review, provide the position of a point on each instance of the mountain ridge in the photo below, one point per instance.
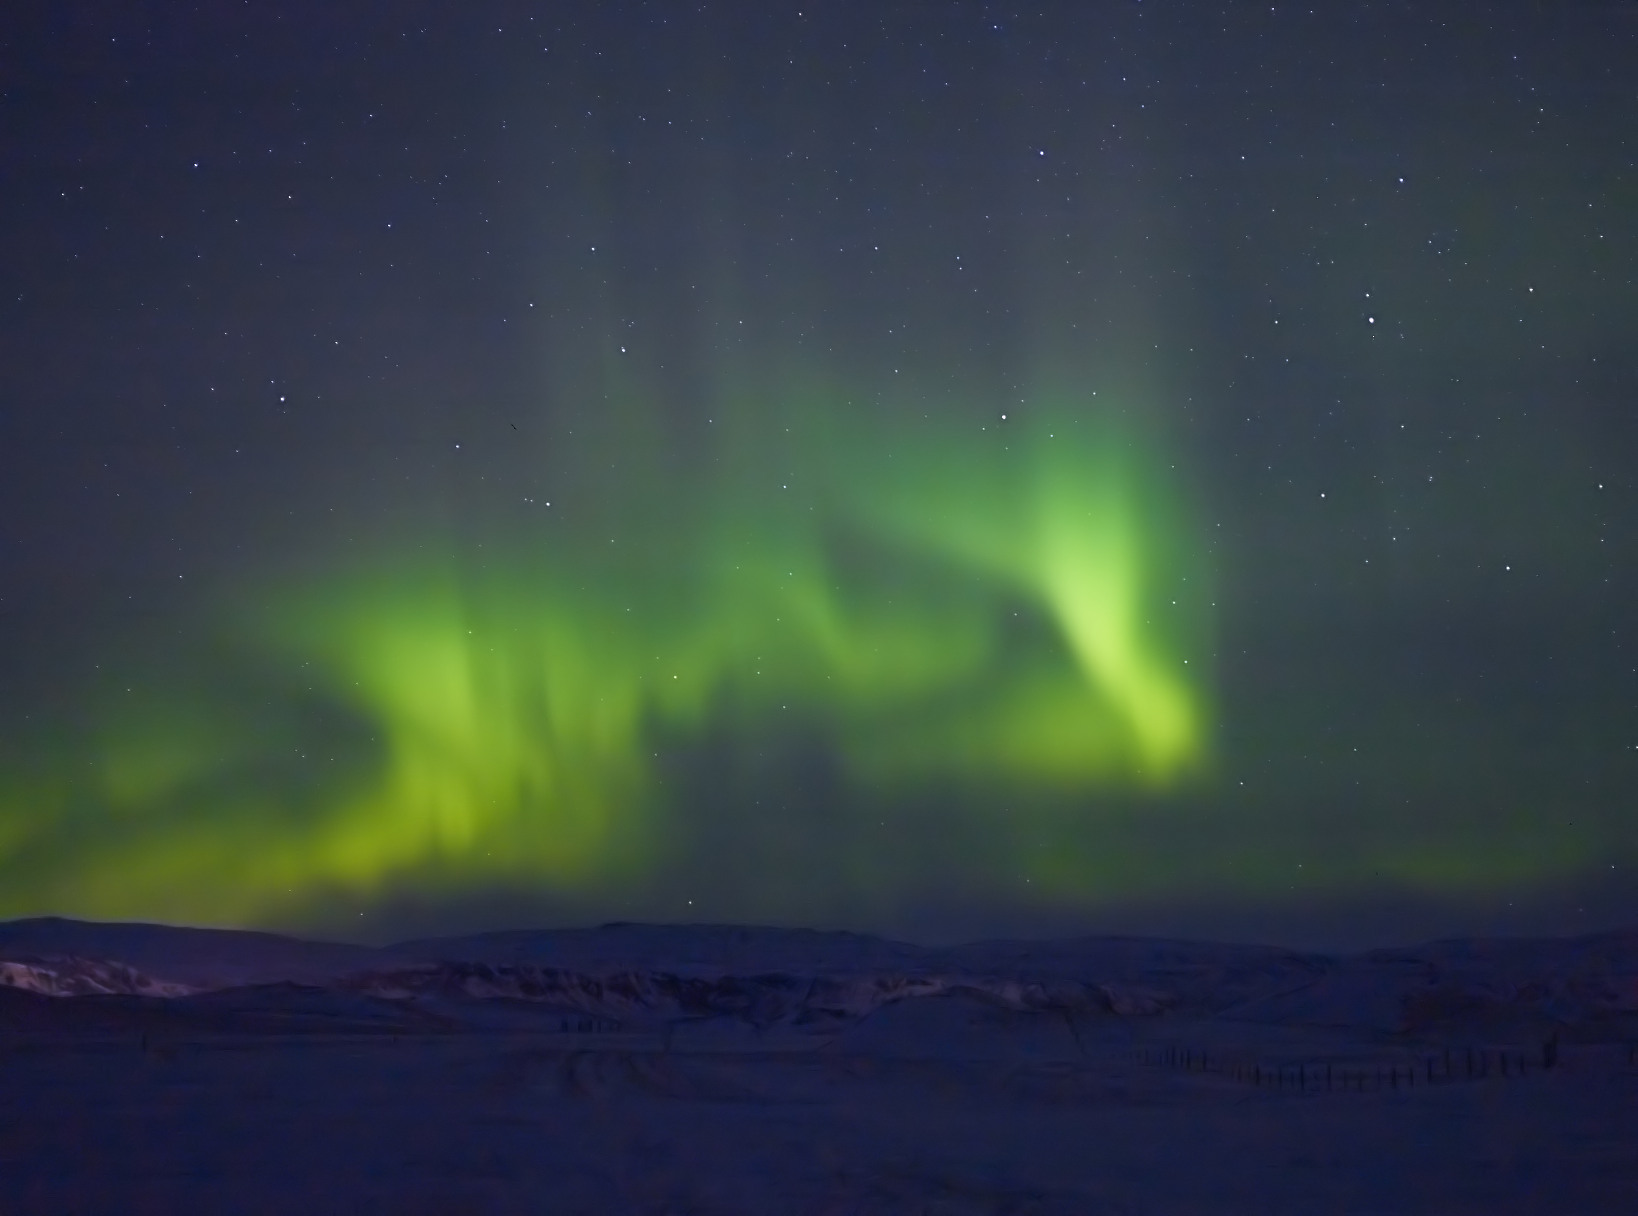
(648, 977)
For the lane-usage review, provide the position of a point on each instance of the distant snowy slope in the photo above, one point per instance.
(1475, 981)
(70, 976)
(648, 998)
(647, 976)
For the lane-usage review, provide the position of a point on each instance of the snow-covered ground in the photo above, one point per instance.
(706, 1070)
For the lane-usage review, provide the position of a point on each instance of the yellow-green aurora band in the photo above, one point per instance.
(1014, 606)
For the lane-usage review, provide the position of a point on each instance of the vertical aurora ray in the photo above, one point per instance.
(977, 610)
(1065, 524)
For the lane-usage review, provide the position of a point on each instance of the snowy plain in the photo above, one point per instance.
(713, 1069)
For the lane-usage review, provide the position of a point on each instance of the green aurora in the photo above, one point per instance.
(930, 472)
(993, 612)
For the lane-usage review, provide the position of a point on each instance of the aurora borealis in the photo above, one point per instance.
(988, 611)
(926, 471)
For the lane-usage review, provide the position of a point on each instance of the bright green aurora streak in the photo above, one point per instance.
(992, 611)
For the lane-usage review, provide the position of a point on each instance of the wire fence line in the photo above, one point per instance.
(1443, 1066)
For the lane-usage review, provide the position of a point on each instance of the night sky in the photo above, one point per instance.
(944, 469)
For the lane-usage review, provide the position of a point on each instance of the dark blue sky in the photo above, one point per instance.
(314, 313)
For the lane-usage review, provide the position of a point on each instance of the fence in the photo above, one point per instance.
(1447, 1066)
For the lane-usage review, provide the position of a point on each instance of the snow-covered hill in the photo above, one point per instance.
(645, 998)
(70, 976)
(645, 977)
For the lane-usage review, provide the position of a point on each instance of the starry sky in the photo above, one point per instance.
(944, 470)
